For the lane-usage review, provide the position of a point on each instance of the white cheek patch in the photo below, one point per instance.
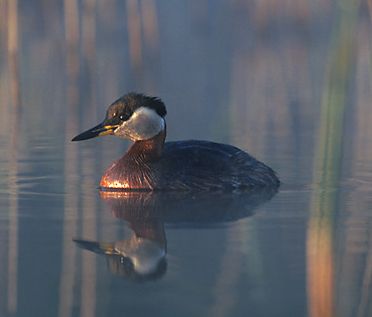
(144, 124)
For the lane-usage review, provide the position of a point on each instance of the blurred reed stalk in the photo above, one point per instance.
(13, 60)
(13, 217)
(150, 24)
(88, 39)
(68, 274)
(70, 228)
(228, 278)
(151, 44)
(89, 229)
(327, 168)
(72, 37)
(72, 194)
(356, 270)
(134, 33)
(89, 30)
(13, 63)
(89, 206)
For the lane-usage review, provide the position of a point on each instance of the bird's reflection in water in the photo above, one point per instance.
(143, 256)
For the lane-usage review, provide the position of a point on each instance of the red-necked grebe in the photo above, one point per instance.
(151, 164)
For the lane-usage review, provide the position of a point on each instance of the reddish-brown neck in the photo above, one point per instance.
(148, 149)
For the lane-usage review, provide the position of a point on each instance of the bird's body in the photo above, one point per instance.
(188, 165)
(151, 164)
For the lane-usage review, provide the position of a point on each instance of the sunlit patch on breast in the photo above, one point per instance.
(107, 183)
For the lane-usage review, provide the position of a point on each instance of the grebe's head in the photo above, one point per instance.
(133, 116)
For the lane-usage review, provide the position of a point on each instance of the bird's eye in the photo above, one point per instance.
(122, 117)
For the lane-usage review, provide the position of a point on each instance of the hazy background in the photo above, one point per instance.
(288, 81)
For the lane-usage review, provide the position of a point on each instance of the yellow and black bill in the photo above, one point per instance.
(99, 130)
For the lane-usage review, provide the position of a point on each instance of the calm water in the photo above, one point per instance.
(288, 82)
